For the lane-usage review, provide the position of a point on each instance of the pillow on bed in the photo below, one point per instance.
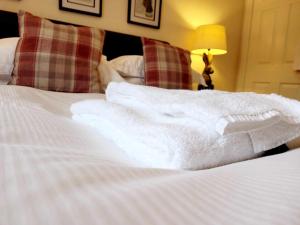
(129, 65)
(134, 80)
(7, 56)
(57, 57)
(107, 74)
(198, 78)
(166, 66)
(131, 68)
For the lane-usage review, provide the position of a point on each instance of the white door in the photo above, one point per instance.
(273, 38)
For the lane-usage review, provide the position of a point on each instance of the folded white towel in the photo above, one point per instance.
(162, 141)
(227, 112)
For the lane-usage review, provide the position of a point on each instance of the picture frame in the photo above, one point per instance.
(144, 12)
(88, 7)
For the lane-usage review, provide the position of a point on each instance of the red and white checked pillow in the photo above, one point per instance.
(166, 66)
(57, 57)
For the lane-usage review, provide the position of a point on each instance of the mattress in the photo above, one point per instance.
(56, 171)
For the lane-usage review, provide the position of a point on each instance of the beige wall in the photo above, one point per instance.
(179, 19)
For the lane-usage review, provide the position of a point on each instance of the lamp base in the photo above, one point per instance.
(208, 87)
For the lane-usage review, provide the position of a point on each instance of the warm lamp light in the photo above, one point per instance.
(211, 40)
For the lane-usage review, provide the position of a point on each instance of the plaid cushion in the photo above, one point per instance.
(57, 57)
(166, 66)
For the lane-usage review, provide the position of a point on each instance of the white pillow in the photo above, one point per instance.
(129, 65)
(135, 80)
(198, 77)
(107, 73)
(7, 57)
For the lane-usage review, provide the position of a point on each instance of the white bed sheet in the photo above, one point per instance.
(54, 171)
(50, 124)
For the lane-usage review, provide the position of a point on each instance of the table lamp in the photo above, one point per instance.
(211, 40)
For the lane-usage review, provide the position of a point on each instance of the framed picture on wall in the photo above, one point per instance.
(144, 12)
(89, 7)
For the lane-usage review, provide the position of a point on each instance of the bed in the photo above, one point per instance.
(54, 170)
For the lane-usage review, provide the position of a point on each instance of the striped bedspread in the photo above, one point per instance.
(54, 171)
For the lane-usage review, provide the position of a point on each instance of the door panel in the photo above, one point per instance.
(293, 32)
(266, 42)
(275, 33)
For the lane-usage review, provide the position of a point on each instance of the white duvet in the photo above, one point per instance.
(55, 171)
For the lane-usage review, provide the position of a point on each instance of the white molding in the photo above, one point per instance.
(247, 27)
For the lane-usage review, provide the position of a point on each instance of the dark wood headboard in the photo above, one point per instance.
(115, 44)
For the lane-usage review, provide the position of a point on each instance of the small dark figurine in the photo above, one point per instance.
(207, 59)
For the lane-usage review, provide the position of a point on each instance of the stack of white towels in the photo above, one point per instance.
(180, 129)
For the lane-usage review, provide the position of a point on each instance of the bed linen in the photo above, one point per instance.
(31, 117)
(54, 171)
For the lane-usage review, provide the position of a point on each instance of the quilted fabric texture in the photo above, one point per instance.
(57, 57)
(166, 66)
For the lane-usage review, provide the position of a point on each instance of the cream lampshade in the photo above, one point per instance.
(210, 40)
